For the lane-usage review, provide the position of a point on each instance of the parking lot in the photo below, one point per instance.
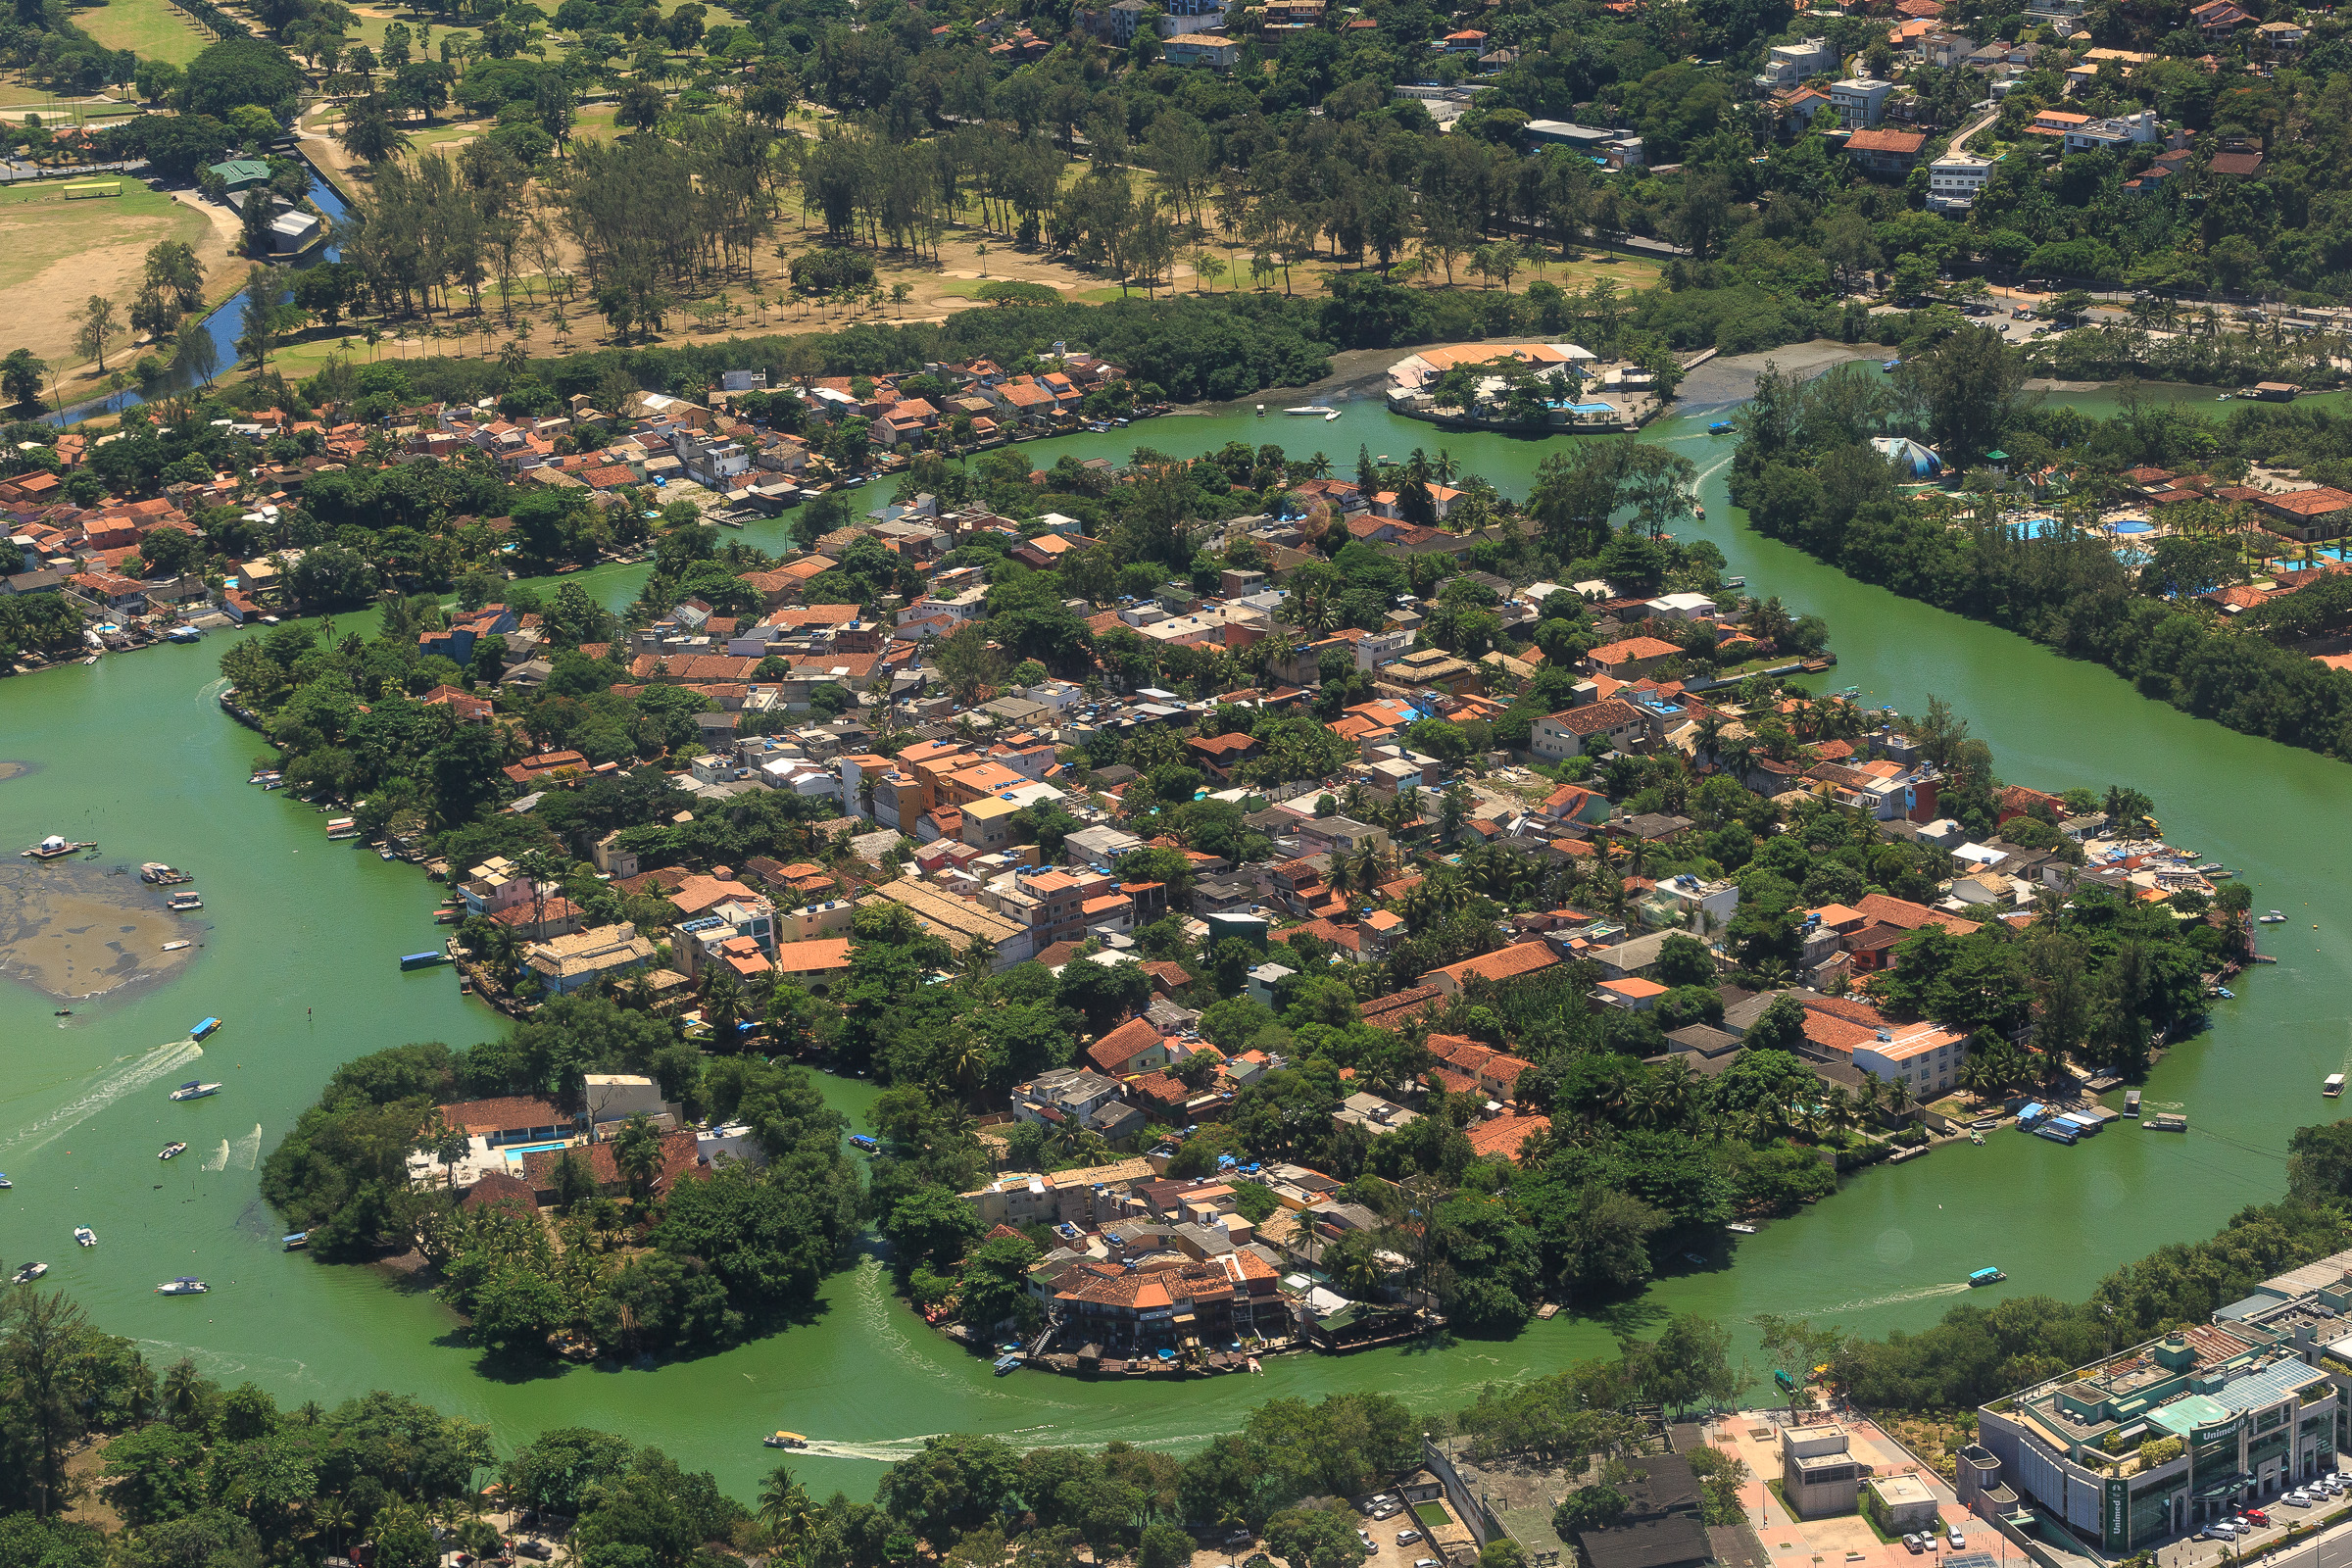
(2265, 1524)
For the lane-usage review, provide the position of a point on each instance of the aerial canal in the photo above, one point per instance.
(299, 957)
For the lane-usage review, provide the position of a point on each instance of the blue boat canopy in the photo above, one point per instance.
(1906, 453)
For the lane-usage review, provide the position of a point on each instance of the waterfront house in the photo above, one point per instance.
(509, 1120)
(578, 961)
(681, 1159)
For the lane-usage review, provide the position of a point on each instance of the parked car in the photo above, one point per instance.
(1405, 1537)
(2257, 1516)
(1956, 1540)
(1365, 1536)
(538, 1550)
(2215, 1533)
(2297, 1499)
(1911, 1545)
(1427, 1562)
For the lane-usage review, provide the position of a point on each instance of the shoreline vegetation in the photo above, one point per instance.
(1807, 474)
(385, 1470)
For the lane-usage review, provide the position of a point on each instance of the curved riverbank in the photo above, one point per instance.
(301, 963)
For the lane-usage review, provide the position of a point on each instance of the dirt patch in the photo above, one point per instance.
(1732, 378)
(72, 929)
(15, 769)
(55, 253)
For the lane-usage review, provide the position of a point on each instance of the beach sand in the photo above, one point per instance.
(14, 769)
(72, 930)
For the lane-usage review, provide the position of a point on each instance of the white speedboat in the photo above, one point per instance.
(182, 1285)
(170, 1149)
(2271, 919)
(83, 1236)
(192, 1090)
(28, 1273)
(1312, 408)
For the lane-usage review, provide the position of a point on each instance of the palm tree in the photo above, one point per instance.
(637, 1151)
(723, 1007)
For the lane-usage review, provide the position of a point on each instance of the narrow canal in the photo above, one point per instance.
(300, 940)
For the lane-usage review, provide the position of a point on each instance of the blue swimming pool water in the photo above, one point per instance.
(512, 1150)
(2037, 528)
(2134, 526)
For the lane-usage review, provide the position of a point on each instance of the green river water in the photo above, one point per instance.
(302, 937)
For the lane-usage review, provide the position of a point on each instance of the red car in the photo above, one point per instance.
(2258, 1516)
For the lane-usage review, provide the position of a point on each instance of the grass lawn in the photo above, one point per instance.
(1433, 1515)
(151, 28)
(56, 253)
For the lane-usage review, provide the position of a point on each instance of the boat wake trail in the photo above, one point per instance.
(217, 1159)
(888, 1450)
(248, 1150)
(117, 1080)
(1892, 1298)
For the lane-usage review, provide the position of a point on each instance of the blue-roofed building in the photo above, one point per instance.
(2168, 1436)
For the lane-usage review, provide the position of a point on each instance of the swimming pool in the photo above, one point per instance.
(2134, 525)
(2037, 528)
(516, 1150)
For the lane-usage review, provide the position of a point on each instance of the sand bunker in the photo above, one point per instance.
(70, 929)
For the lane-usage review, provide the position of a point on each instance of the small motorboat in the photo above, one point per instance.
(1699, 512)
(2224, 993)
(2271, 919)
(204, 1028)
(1735, 582)
(192, 1090)
(1987, 1276)
(1694, 1257)
(83, 1236)
(28, 1273)
(175, 946)
(1720, 428)
(185, 902)
(1741, 1228)
(172, 1150)
(1312, 408)
(296, 1242)
(1007, 1363)
(182, 1285)
(784, 1439)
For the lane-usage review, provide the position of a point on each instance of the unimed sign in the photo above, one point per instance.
(2119, 1515)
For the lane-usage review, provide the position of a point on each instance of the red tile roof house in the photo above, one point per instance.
(2308, 516)
(679, 1163)
(1132, 1048)
(1631, 657)
(1498, 968)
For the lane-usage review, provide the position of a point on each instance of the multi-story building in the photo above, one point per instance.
(2164, 1436)
(1787, 64)
(1954, 180)
(1857, 100)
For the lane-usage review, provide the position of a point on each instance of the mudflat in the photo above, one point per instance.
(74, 930)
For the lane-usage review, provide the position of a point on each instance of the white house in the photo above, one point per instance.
(1856, 101)
(1954, 181)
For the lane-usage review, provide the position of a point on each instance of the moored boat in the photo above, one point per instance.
(175, 946)
(296, 1242)
(1741, 1228)
(182, 1285)
(28, 1273)
(170, 1149)
(185, 902)
(83, 1236)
